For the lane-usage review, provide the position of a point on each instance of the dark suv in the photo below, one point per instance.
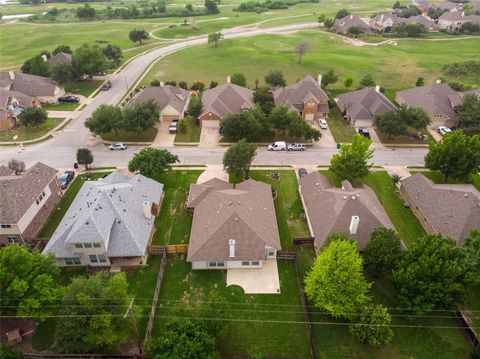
(364, 132)
(71, 99)
(65, 179)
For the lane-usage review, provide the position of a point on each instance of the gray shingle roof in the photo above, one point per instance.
(330, 209)
(459, 16)
(419, 19)
(345, 23)
(59, 58)
(226, 99)
(108, 210)
(447, 5)
(18, 193)
(6, 97)
(451, 209)
(174, 96)
(245, 214)
(27, 84)
(364, 104)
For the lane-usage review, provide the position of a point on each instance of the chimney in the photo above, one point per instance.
(319, 80)
(377, 88)
(162, 84)
(354, 224)
(147, 209)
(11, 74)
(228, 79)
(44, 57)
(438, 81)
(231, 246)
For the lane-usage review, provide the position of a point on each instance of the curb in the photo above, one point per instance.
(61, 125)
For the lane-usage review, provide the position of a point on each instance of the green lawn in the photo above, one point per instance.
(437, 177)
(30, 133)
(126, 136)
(60, 106)
(84, 88)
(192, 134)
(341, 130)
(409, 138)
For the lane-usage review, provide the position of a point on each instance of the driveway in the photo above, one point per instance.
(374, 137)
(164, 138)
(209, 137)
(263, 280)
(213, 171)
(436, 136)
(327, 140)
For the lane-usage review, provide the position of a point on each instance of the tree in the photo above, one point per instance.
(456, 156)
(279, 118)
(9, 351)
(238, 158)
(36, 66)
(329, 78)
(415, 117)
(28, 282)
(62, 48)
(215, 38)
(152, 161)
(141, 117)
(155, 83)
(245, 125)
(33, 116)
(382, 252)
(390, 124)
(104, 119)
(183, 85)
(63, 72)
(352, 161)
(183, 125)
(321, 18)
(329, 23)
(86, 12)
(348, 82)
(189, 7)
(431, 274)
(367, 81)
(355, 30)
(301, 49)
(263, 98)
(195, 107)
(275, 78)
(137, 35)
(89, 60)
(298, 128)
(420, 82)
(198, 86)
(113, 53)
(213, 84)
(469, 115)
(397, 5)
(373, 326)
(183, 339)
(239, 79)
(336, 283)
(85, 157)
(169, 82)
(17, 166)
(211, 7)
(97, 304)
(342, 13)
(471, 252)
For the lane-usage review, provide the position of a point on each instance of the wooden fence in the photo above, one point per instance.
(169, 249)
(286, 255)
(470, 333)
(304, 241)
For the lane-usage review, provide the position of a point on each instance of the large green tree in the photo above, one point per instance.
(390, 124)
(114, 54)
(63, 72)
(263, 98)
(275, 78)
(300, 129)
(469, 115)
(33, 116)
(62, 48)
(215, 38)
(36, 66)
(141, 117)
(329, 78)
(352, 161)
(9, 351)
(239, 79)
(104, 119)
(238, 158)
(89, 61)
(382, 252)
(415, 117)
(456, 156)
(372, 326)
(195, 107)
(85, 157)
(137, 35)
(249, 125)
(367, 81)
(471, 252)
(152, 161)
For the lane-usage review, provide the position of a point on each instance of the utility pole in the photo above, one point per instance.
(131, 315)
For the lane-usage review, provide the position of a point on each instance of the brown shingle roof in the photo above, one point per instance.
(174, 96)
(27, 84)
(59, 58)
(342, 25)
(226, 99)
(364, 104)
(7, 96)
(18, 193)
(245, 214)
(451, 209)
(330, 209)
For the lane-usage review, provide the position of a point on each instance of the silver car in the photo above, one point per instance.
(117, 146)
(297, 146)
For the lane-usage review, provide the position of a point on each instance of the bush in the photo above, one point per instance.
(183, 126)
(155, 83)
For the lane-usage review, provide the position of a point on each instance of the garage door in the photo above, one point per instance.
(211, 123)
(309, 117)
(168, 118)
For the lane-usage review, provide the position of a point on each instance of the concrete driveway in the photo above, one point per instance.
(263, 280)
(436, 136)
(209, 137)
(327, 140)
(164, 138)
(213, 171)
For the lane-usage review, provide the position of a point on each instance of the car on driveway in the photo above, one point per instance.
(65, 179)
(322, 123)
(364, 132)
(277, 146)
(302, 172)
(173, 127)
(297, 146)
(117, 147)
(443, 130)
(69, 99)
(107, 86)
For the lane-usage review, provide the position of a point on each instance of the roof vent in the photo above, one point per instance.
(353, 197)
(231, 247)
(345, 197)
(465, 195)
(354, 224)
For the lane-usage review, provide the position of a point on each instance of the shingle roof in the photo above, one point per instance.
(294, 96)
(109, 210)
(364, 104)
(59, 58)
(27, 84)
(381, 18)
(419, 19)
(459, 16)
(5, 171)
(435, 99)
(330, 209)
(447, 5)
(451, 209)
(245, 214)
(226, 99)
(174, 96)
(345, 23)
(18, 193)
(23, 100)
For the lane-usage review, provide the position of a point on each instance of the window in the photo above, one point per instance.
(310, 105)
(87, 245)
(72, 261)
(246, 263)
(221, 264)
(6, 226)
(11, 239)
(78, 245)
(102, 258)
(93, 258)
(96, 245)
(255, 263)
(212, 264)
(39, 198)
(271, 253)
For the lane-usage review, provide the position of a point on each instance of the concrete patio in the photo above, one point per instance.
(264, 280)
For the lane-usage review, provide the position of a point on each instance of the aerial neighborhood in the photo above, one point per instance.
(270, 179)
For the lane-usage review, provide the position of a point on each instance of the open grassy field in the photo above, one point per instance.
(30, 133)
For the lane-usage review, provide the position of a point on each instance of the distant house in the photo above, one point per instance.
(342, 25)
(27, 201)
(423, 5)
(12, 104)
(361, 106)
(305, 97)
(475, 6)
(439, 100)
(450, 209)
(172, 101)
(421, 20)
(224, 100)
(44, 89)
(109, 223)
(453, 21)
(60, 58)
(232, 227)
(448, 6)
(354, 212)
(382, 22)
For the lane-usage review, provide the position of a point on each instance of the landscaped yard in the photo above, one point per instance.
(437, 177)
(30, 133)
(84, 88)
(60, 106)
(409, 139)
(341, 130)
(126, 136)
(192, 133)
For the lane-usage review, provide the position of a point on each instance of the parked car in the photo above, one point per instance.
(173, 127)
(107, 86)
(69, 98)
(277, 146)
(364, 132)
(443, 130)
(65, 179)
(117, 146)
(302, 172)
(323, 124)
(221, 130)
(297, 146)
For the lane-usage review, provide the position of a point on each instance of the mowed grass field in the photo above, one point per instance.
(393, 67)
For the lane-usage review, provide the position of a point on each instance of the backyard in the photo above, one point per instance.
(24, 133)
(341, 130)
(410, 138)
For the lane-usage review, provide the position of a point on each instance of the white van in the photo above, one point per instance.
(278, 146)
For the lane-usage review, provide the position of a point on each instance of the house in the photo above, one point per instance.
(27, 201)
(439, 100)
(110, 223)
(224, 100)
(58, 59)
(172, 101)
(233, 227)
(342, 25)
(421, 20)
(453, 21)
(382, 22)
(12, 104)
(305, 97)
(450, 209)
(423, 5)
(354, 212)
(44, 89)
(475, 6)
(361, 106)
(448, 6)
